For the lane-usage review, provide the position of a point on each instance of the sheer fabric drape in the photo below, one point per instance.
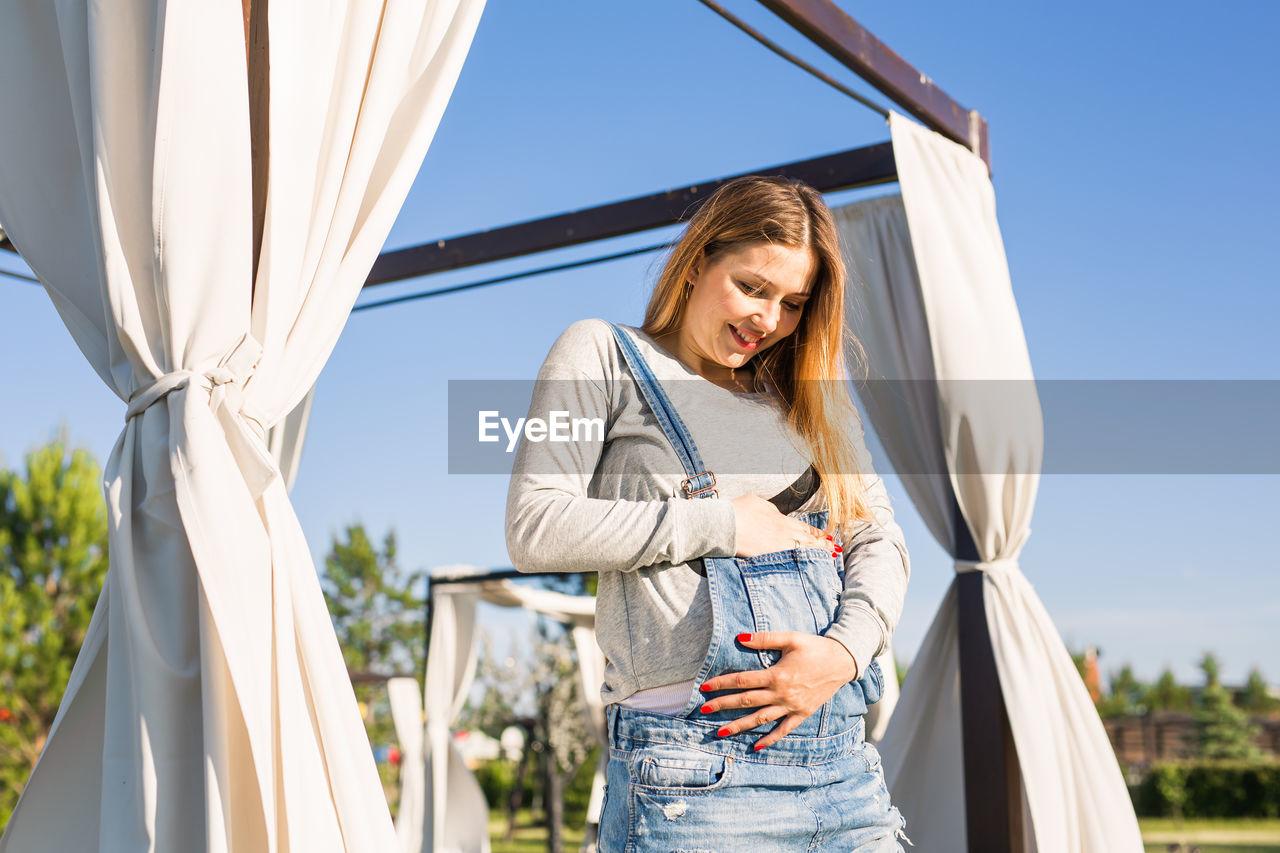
(937, 308)
(456, 815)
(210, 708)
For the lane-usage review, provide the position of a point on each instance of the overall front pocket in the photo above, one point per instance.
(675, 769)
(781, 588)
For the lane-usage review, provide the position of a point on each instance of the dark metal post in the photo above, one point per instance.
(992, 779)
(431, 612)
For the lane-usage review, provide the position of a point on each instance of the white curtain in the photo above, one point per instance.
(923, 755)
(939, 306)
(457, 816)
(407, 716)
(285, 440)
(879, 714)
(210, 708)
(591, 664)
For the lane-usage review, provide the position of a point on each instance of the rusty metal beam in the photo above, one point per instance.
(830, 28)
(859, 167)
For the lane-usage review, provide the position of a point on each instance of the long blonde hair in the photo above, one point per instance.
(807, 369)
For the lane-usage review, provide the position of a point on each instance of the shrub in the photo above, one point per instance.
(496, 778)
(1207, 789)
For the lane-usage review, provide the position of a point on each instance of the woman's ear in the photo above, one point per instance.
(695, 269)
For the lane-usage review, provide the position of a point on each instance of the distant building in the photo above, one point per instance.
(1140, 741)
(1092, 678)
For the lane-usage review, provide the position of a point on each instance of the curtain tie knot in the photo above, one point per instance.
(994, 567)
(245, 434)
(224, 382)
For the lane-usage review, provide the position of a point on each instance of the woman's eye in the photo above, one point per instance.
(793, 306)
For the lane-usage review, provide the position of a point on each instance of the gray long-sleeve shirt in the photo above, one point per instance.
(614, 506)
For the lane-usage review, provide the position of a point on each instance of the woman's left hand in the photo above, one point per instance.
(810, 671)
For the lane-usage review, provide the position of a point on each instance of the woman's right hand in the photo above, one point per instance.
(761, 528)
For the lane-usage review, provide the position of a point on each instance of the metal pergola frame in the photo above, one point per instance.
(366, 677)
(992, 781)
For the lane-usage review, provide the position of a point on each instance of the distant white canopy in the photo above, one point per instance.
(442, 809)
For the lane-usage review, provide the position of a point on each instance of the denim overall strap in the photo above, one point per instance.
(796, 589)
(698, 482)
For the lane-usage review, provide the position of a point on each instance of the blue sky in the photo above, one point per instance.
(1133, 160)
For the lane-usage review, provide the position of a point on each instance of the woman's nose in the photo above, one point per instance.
(767, 318)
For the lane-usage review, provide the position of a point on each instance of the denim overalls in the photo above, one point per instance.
(674, 785)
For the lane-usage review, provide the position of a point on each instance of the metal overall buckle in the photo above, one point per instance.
(686, 486)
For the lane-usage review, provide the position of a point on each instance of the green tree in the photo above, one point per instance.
(561, 728)
(1225, 730)
(1256, 697)
(1209, 666)
(1167, 695)
(378, 615)
(53, 559)
(1126, 696)
(375, 607)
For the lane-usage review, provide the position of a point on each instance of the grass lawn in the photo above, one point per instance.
(529, 838)
(1239, 835)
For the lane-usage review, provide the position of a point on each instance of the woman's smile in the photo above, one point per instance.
(744, 340)
(741, 302)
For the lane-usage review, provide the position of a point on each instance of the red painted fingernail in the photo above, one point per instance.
(706, 686)
(830, 538)
(834, 554)
(758, 747)
(744, 638)
(707, 709)
(722, 732)
(839, 550)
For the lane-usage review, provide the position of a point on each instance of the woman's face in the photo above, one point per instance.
(743, 301)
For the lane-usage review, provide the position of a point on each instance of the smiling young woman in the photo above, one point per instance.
(750, 568)
(738, 305)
